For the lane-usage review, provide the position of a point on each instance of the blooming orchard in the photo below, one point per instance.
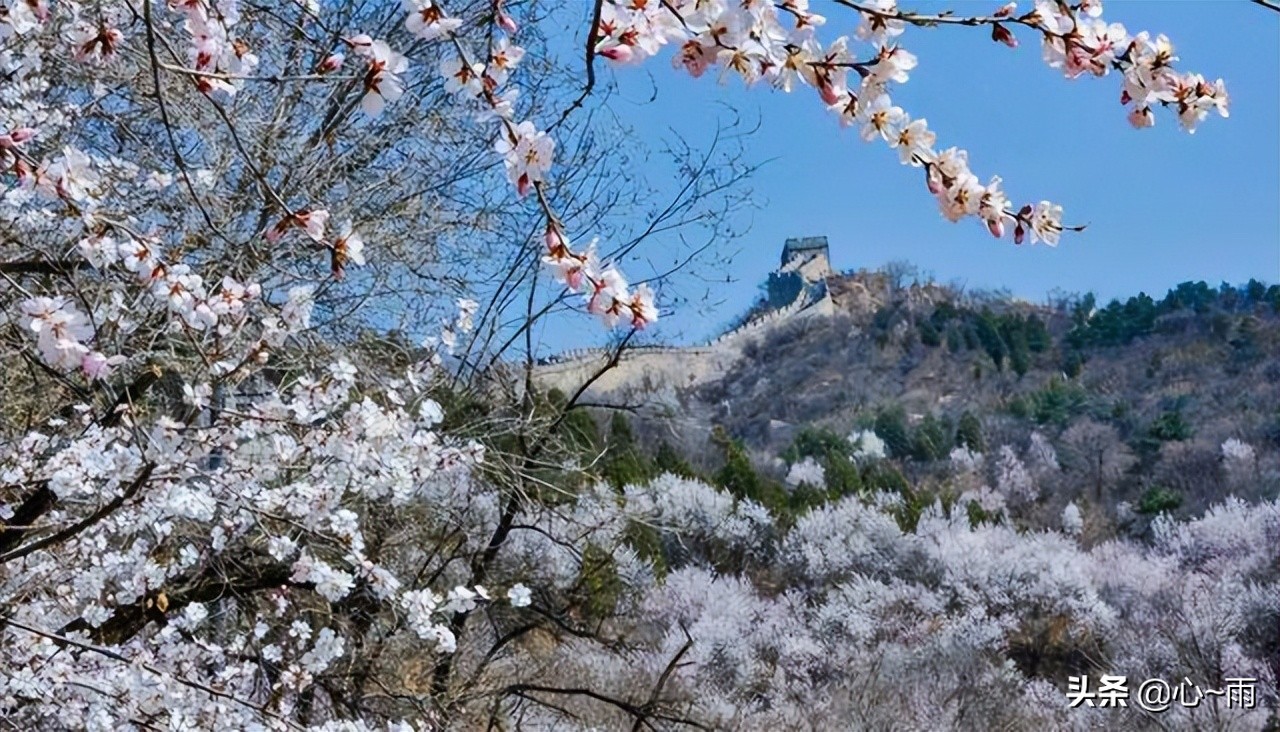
(216, 517)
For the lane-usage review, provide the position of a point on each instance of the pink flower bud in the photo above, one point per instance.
(331, 64)
(1019, 233)
(996, 227)
(19, 136)
(96, 365)
(556, 245)
(621, 54)
(933, 180)
(1000, 34)
(23, 172)
(276, 233)
(573, 277)
(1142, 117)
(523, 184)
(829, 93)
(1006, 10)
(506, 22)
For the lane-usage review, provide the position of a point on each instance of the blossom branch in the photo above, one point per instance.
(105, 510)
(116, 656)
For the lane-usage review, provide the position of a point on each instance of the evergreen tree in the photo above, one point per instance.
(891, 426)
(1073, 364)
(1019, 354)
(739, 477)
(580, 431)
(668, 460)
(930, 441)
(929, 335)
(989, 336)
(623, 464)
(969, 433)
(1171, 426)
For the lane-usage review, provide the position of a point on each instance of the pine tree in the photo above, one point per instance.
(891, 426)
(969, 433)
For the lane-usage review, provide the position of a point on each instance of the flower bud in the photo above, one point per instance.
(18, 136)
(933, 179)
(1006, 10)
(996, 227)
(557, 247)
(23, 172)
(1000, 34)
(332, 63)
(506, 22)
(620, 53)
(1142, 117)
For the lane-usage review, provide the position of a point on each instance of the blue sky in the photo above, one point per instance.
(1162, 206)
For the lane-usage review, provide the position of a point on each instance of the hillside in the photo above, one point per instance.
(1135, 399)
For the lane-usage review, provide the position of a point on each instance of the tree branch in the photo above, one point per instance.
(88, 521)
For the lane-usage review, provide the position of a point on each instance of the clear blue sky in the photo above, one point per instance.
(1162, 206)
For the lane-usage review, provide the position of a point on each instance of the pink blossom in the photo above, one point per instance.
(527, 153)
(97, 45)
(382, 83)
(331, 63)
(98, 366)
(427, 19)
(643, 310)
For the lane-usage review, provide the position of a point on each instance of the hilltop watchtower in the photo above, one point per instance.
(809, 250)
(805, 266)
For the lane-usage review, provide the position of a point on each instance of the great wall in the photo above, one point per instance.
(798, 289)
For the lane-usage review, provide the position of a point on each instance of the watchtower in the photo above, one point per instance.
(800, 250)
(805, 266)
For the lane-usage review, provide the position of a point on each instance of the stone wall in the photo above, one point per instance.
(799, 287)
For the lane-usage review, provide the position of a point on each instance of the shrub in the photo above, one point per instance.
(1158, 499)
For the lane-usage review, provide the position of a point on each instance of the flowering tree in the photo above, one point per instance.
(219, 512)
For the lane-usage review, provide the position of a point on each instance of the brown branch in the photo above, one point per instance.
(227, 579)
(85, 523)
(132, 394)
(36, 505)
(643, 713)
(613, 361)
(61, 267)
(667, 672)
(593, 37)
(168, 124)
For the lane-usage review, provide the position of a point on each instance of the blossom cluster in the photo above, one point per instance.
(778, 43)
(218, 60)
(270, 483)
(1090, 45)
(62, 330)
(528, 154)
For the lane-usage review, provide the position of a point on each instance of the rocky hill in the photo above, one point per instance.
(1140, 395)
